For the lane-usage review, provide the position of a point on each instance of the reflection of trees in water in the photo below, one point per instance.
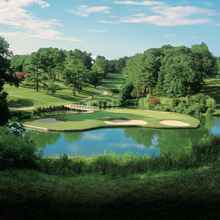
(170, 141)
(43, 139)
(72, 136)
(208, 122)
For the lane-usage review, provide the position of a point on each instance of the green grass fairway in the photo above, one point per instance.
(25, 98)
(86, 121)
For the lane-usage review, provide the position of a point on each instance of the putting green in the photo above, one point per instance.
(127, 117)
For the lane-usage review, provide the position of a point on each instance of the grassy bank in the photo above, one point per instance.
(107, 187)
(182, 194)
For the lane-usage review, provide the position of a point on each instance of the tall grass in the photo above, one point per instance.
(201, 155)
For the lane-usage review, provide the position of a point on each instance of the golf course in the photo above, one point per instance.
(113, 118)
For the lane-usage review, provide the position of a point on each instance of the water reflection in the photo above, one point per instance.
(135, 141)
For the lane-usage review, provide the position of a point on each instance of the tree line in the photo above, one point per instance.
(74, 67)
(170, 71)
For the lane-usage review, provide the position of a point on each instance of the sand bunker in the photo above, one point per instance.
(174, 123)
(126, 122)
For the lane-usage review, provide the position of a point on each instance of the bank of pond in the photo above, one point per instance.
(135, 141)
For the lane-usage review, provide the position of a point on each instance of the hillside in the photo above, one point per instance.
(25, 98)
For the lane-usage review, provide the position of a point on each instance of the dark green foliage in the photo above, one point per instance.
(99, 71)
(16, 151)
(5, 76)
(16, 128)
(74, 73)
(218, 67)
(126, 93)
(192, 105)
(170, 71)
(85, 57)
(206, 152)
(18, 63)
(178, 76)
(4, 111)
(117, 66)
(205, 62)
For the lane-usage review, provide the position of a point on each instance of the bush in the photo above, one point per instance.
(16, 151)
(126, 93)
(153, 100)
(192, 105)
(16, 128)
(4, 111)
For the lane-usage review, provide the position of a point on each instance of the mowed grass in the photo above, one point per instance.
(86, 121)
(26, 98)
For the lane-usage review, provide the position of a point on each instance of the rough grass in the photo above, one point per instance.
(85, 121)
(182, 194)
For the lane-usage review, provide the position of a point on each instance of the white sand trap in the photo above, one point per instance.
(126, 122)
(174, 123)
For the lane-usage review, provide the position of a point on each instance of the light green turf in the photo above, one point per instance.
(25, 98)
(86, 121)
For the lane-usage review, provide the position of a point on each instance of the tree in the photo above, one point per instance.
(151, 69)
(126, 93)
(117, 66)
(17, 63)
(5, 76)
(85, 57)
(50, 60)
(178, 73)
(142, 71)
(74, 73)
(218, 66)
(34, 67)
(99, 71)
(205, 61)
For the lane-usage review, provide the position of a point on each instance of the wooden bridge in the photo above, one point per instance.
(83, 108)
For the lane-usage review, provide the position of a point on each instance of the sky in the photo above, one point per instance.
(113, 28)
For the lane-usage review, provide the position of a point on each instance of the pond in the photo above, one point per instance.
(135, 141)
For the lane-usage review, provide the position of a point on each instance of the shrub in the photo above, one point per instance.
(16, 151)
(4, 111)
(126, 93)
(153, 100)
(192, 105)
(16, 128)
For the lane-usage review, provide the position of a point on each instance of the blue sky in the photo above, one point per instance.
(112, 28)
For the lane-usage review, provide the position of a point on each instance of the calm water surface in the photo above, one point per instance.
(135, 141)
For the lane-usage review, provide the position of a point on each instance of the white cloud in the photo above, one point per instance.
(86, 10)
(24, 43)
(166, 15)
(140, 3)
(14, 13)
